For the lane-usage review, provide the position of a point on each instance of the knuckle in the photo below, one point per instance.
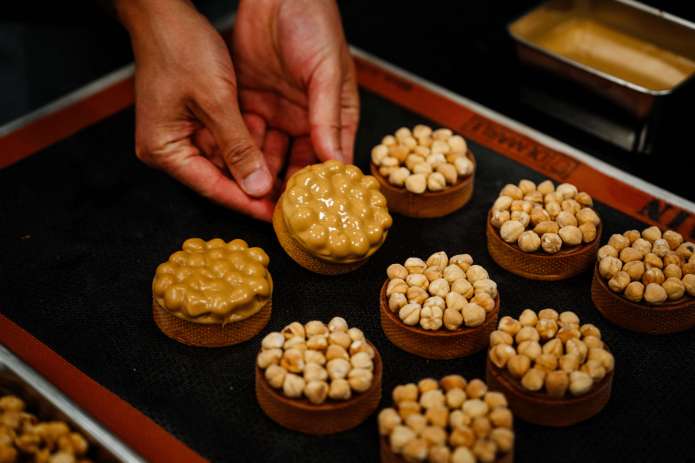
(239, 152)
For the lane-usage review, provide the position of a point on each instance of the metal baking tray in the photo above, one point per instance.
(629, 53)
(48, 403)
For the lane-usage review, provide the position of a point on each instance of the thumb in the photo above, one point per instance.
(242, 157)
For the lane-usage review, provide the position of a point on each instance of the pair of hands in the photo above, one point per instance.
(227, 135)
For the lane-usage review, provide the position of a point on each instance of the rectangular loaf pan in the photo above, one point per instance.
(630, 53)
(48, 403)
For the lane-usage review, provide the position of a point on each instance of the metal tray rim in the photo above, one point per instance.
(602, 74)
(59, 400)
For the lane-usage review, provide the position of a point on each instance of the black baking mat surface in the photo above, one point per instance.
(84, 224)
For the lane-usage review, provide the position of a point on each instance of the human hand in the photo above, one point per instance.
(187, 118)
(296, 79)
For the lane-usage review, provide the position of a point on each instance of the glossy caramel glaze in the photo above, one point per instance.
(213, 282)
(335, 212)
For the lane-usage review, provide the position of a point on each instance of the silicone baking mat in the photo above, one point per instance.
(84, 225)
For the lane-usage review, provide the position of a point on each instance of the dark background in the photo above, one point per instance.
(87, 201)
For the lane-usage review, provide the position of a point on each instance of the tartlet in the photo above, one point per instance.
(212, 293)
(424, 173)
(447, 421)
(542, 232)
(331, 218)
(441, 308)
(553, 371)
(645, 281)
(317, 378)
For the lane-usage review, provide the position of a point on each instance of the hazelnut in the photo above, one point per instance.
(509, 325)
(518, 365)
(548, 226)
(473, 314)
(410, 314)
(415, 265)
(475, 273)
(609, 267)
(503, 203)
(293, 386)
(635, 269)
(533, 379)
(500, 354)
(529, 241)
(653, 275)
(651, 234)
(655, 293)
(453, 381)
(416, 183)
(631, 254)
(528, 318)
(436, 181)
(632, 235)
(674, 239)
(566, 218)
(521, 217)
(584, 199)
(388, 419)
(551, 242)
(619, 282)
(339, 389)
(618, 242)
(400, 437)
(588, 215)
(546, 187)
(556, 383)
(316, 391)
(567, 190)
(571, 235)
(452, 318)
(500, 337)
(689, 283)
(511, 230)
(606, 250)
(396, 271)
(580, 383)
(589, 232)
(634, 291)
(463, 287)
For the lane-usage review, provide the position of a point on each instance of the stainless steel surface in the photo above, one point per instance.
(635, 19)
(48, 403)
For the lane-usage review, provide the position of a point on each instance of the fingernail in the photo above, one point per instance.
(257, 183)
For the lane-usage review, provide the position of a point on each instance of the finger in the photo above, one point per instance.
(275, 150)
(350, 113)
(324, 110)
(241, 156)
(186, 165)
(256, 126)
(301, 155)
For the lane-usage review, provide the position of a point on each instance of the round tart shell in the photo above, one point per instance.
(430, 203)
(202, 335)
(302, 257)
(539, 408)
(439, 344)
(539, 265)
(387, 456)
(330, 417)
(670, 317)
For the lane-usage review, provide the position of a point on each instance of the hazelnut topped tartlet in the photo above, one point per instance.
(553, 370)
(424, 173)
(212, 293)
(439, 308)
(646, 281)
(447, 421)
(542, 232)
(318, 378)
(331, 217)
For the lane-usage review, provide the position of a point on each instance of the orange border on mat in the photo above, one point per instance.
(139, 432)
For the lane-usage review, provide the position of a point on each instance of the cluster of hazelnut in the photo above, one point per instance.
(544, 217)
(450, 421)
(317, 361)
(24, 438)
(422, 159)
(651, 266)
(550, 350)
(440, 291)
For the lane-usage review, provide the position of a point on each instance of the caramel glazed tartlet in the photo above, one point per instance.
(553, 370)
(331, 217)
(213, 293)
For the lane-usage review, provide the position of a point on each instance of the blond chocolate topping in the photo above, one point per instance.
(214, 282)
(335, 212)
